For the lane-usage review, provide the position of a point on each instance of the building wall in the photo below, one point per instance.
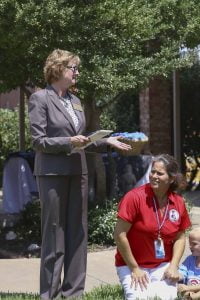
(10, 100)
(156, 115)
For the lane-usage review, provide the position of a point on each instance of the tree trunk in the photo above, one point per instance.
(21, 121)
(96, 168)
(24, 94)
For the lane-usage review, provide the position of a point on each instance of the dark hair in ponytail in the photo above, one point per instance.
(172, 169)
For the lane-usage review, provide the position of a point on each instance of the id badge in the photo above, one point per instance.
(159, 248)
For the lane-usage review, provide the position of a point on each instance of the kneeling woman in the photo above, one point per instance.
(150, 234)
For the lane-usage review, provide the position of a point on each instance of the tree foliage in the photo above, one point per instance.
(9, 133)
(115, 116)
(122, 43)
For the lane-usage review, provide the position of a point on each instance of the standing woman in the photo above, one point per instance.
(57, 126)
(150, 234)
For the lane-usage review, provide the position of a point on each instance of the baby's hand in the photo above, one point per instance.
(194, 295)
(187, 296)
(182, 288)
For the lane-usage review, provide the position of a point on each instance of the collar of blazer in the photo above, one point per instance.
(57, 102)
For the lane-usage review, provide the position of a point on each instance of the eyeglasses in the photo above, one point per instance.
(73, 68)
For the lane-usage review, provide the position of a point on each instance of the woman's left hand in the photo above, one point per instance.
(113, 141)
(171, 274)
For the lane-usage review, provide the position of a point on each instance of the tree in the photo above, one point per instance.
(122, 43)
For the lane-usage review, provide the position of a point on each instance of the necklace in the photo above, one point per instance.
(160, 224)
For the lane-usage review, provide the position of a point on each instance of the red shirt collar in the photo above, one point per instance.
(150, 193)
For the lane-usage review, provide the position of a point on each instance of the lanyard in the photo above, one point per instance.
(160, 225)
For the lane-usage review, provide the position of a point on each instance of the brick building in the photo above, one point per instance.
(156, 115)
(10, 100)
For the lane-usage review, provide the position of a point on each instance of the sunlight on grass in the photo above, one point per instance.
(104, 292)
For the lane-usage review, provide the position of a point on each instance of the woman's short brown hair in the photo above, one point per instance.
(56, 62)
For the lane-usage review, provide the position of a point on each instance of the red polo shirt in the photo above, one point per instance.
(137, 208)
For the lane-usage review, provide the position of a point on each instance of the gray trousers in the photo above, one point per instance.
(64, 234)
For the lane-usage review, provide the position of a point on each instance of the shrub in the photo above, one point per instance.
(28, 227)
(9, 133)
(101, 224)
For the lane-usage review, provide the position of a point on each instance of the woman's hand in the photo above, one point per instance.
(113, 141)
(79, 140)
(139, 277)
(171, 274)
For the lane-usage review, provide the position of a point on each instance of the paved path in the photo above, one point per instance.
(22, 275)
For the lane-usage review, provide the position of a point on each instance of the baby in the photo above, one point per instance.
(190, 269)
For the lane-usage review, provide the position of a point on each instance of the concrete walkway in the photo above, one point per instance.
(22, 275)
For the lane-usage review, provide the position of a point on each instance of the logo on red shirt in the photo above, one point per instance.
(173, 215)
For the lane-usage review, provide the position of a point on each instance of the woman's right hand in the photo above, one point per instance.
(139, 277)
(79, 140)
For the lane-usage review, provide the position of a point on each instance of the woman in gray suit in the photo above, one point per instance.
(57, 126)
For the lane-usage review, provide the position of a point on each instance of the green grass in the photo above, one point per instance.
(18, 296)
(105, 292)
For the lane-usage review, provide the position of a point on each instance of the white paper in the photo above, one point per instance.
(95, 136)
(99, 134)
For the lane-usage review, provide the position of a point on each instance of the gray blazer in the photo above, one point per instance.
(51, 129)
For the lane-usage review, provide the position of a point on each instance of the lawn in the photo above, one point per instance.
(106, 292)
